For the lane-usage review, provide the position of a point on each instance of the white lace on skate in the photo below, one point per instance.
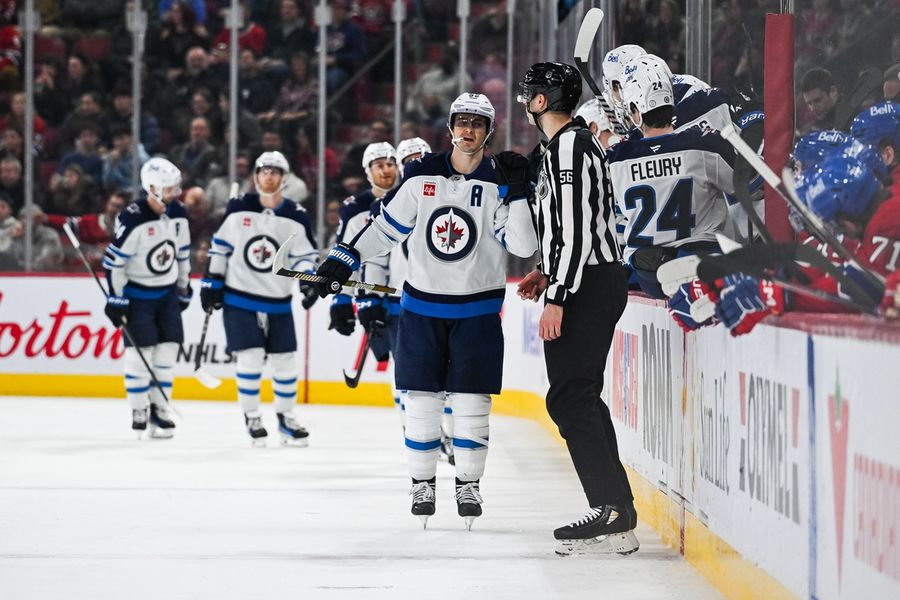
(593, 514)
(468, 494)
(422, 492)
(139, 415)
(254, 424)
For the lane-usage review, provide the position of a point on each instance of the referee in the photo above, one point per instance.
(586, 291)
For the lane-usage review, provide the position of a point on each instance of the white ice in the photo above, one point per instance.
(87, 512)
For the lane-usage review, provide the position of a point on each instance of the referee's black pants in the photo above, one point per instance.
(575, 363)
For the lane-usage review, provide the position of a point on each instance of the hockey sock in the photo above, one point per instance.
(447, 417)
(284, 381)
(137, 379)
(249, 372)
(423, 432)
(471, 430)
(163, 367)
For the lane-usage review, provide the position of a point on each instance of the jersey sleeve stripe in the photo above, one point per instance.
(400, 227)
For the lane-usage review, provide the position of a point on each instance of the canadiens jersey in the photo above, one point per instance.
(243, 250)
(458, 233)
(671, 188)
(150, 252)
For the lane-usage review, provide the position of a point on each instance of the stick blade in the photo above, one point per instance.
(352, 382)
(207, 379)
(589, 26)
(278, 261)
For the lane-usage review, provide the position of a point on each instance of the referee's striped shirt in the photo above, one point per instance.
(576, 221)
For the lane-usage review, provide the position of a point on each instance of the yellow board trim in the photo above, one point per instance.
(736, 577)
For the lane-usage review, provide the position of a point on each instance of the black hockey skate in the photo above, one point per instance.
(256, 430)
(139, 421)
(292, 434)
(161, 424)
(423, 499)
(468, 501)
(603, 530)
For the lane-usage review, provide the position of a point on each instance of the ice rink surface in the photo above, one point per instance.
(87, 512)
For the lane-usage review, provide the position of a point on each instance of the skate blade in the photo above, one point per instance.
(616, 543)
(294, 442)
(258, 442)
(158, 433)
(138, 433)
(424, 519)
(469, 521)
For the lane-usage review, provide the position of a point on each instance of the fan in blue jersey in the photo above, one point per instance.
(670, 186)
(147, 267)
(257, 312)
(459, 212)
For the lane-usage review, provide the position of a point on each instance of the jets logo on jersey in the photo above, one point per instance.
(161, 258)
(259, 252)
(451, 234)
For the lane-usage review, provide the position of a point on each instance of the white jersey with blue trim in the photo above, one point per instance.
(355, 215)
(243, 250)
(150, 252)
(671, 188)
(458, 233)
(705, 109)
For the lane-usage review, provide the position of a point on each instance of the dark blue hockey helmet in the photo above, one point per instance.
(843, 185)
(812, 148)
(878, 124)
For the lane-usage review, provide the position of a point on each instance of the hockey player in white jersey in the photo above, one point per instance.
(670, 186)
(257, 311)
(460, 212)
(147, 268)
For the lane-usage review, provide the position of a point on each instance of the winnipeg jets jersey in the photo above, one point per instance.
(684, 85)
(671, 188)
(458, 231)
(398, 262)
(355, 214)
(243, 250)
(150, 252)
(706, 109)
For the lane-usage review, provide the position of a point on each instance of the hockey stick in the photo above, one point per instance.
(590, 25)
(206, 378)
(77, 245)
(784, 187)
(279, 269)
(353, 381)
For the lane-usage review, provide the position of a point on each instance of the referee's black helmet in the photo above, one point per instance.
(559, 82)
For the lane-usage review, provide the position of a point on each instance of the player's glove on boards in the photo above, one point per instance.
(680, 304)
(212, 292)
(745, 301)
(116, 309)
(337, 267)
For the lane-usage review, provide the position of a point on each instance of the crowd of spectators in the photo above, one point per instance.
(83, 104)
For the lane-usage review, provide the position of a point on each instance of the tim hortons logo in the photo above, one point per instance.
(63, 333)
(770, 413)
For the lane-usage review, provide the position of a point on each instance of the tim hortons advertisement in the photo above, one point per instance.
(750, 430)
(57, 325)
(857, 469)
(643, 386)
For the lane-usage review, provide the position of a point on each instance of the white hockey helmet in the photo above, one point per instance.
(646, 86)
(614, 64)
(475, 104)
(272, 159)
(159, 173)
(375, 151)
(411, 146)
(695, 84)
(592, 112)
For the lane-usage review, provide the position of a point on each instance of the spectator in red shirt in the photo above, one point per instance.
(252, 36)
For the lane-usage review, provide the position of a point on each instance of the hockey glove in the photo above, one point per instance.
(212, 292)
(688, 295)
(116, 309)
(184, 297)
(745, 301)
(511, 171)
(310, 295)
(342, 318)
(371, 312)
(337, 267)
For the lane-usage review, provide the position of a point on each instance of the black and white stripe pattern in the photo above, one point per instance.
(576, 218)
